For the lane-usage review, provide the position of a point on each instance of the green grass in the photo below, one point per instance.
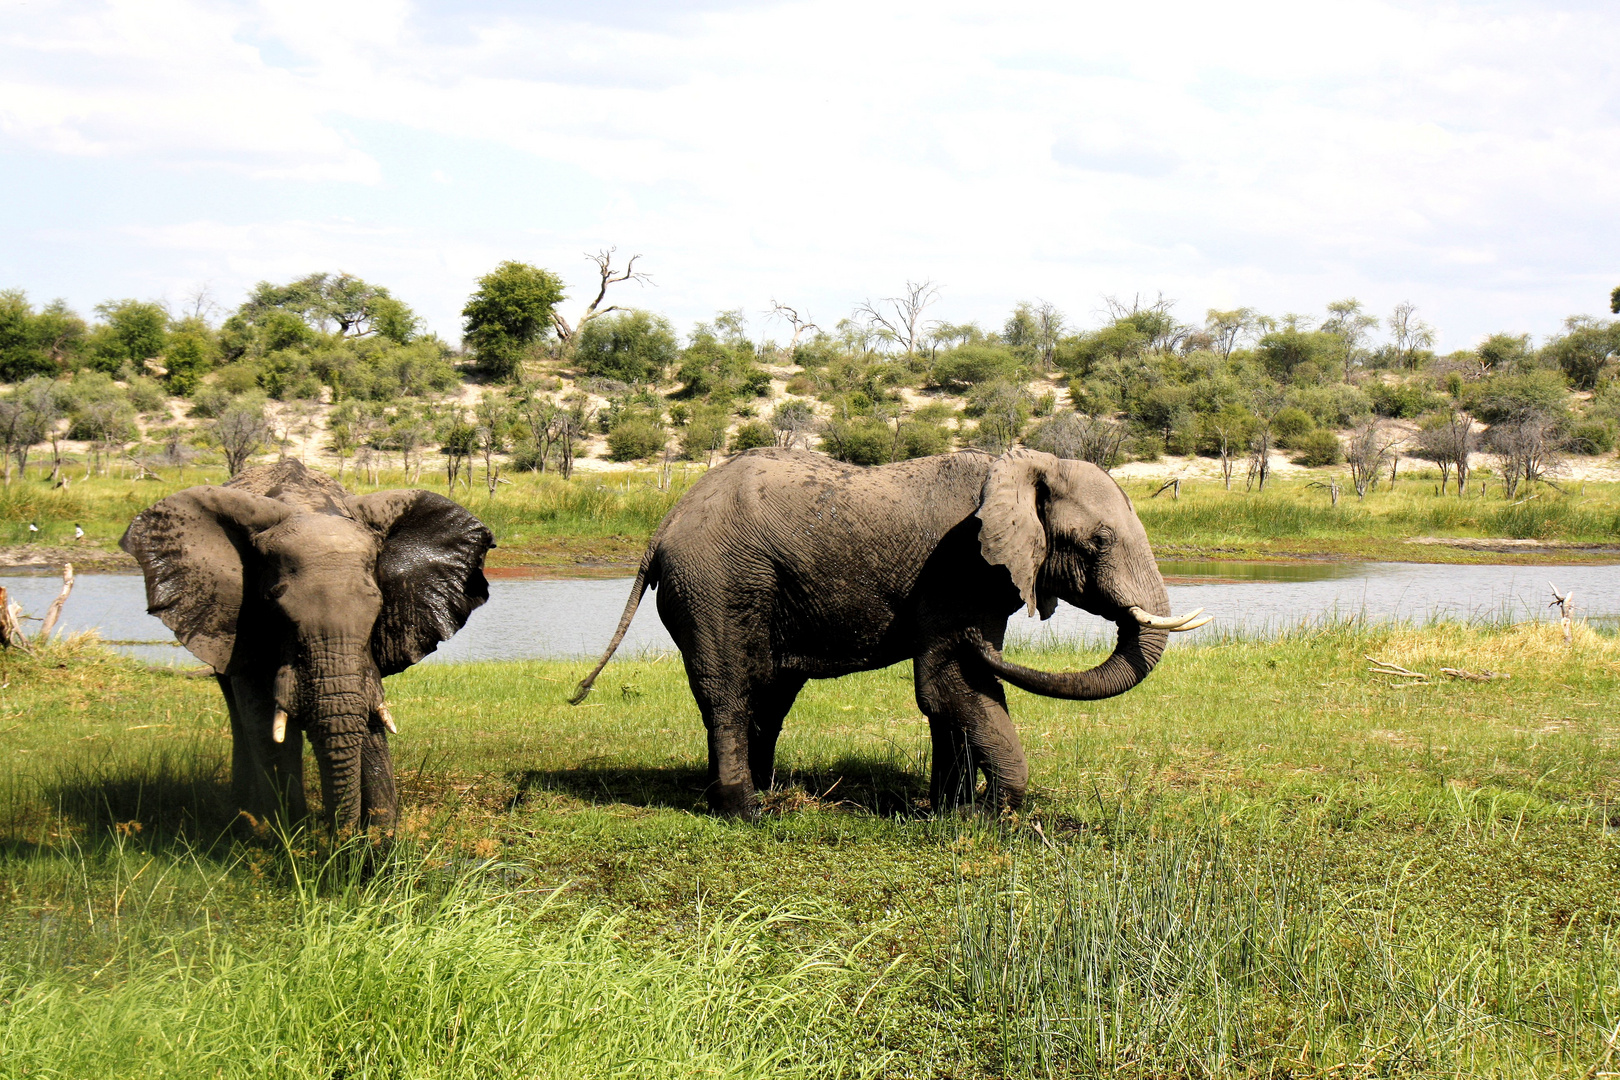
(1263, 862)
(599, 523)
(1294, 518)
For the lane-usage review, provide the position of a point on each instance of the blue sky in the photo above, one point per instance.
(1464, 157)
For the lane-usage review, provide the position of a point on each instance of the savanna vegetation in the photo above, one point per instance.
(1264, 862)
(1398, 441)
(337, 367)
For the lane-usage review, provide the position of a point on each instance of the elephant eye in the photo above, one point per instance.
(276, 591)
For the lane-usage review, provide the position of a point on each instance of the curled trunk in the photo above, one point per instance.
(1134, 657)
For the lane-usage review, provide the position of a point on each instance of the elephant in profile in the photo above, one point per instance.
(783, 566)
(302, 597)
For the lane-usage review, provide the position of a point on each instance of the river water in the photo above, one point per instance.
(574, 618)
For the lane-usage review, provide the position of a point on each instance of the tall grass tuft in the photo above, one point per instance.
(1192, 957)
(403, 975)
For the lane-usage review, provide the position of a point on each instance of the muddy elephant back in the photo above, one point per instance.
(290, 482)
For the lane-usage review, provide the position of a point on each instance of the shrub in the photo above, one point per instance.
(634, 346)
(861, 441)
(1147, 447)
(920, 438)
(1401, 400)
(970, 365)
(1291, 425)
(751, 436)
(1591, 437)
(636, 435)
(1320, 447)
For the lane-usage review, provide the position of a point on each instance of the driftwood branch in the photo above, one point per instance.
(11, 631)
(1172, 485)
(1384, 667)
(1474, 676)
(1565, 603)
(55, 610)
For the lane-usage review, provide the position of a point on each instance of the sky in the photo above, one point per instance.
(1463, 157)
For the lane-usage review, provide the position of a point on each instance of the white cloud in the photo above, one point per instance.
(1279, 155)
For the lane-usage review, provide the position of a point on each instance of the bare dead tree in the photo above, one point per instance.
(801, 325)
(1565, 603)
(1096, 439)
(604, 268)
(1448, 441)
(902, 321)
(1165, 334)
(793, 421)
(1367, 451)
(1528, 446)
(1049, 327)
(200, 303)
(55, 611)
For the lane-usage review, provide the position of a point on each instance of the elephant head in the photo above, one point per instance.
(318, 595)
(1066, 531)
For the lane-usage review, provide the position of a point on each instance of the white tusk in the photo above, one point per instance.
(1170, 622)
(387, 718)
(278, 726)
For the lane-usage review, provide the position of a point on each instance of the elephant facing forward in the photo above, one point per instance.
(784, 566)
(302, 597)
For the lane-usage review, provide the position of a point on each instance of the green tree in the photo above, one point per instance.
(348, 305)
(1349, 326)
(1584, 349)
(1501, 352)
(633, 346)
(132, 331)
(509, 314)
(21, 350)
(191, 353)
(1283, 352)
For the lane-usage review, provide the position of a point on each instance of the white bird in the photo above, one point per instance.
(32, 527)
(78, 533)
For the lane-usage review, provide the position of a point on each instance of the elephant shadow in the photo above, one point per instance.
(850, 784)
(179, 802)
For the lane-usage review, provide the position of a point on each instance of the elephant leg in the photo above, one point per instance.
(731, 783)
(971, 731)
(267, 777)
(770, 708)
(379, 802)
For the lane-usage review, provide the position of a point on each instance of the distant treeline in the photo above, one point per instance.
(1237, 385)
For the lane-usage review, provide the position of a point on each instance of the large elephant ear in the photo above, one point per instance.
(1011, 533)
(194, 548)
(430, 570)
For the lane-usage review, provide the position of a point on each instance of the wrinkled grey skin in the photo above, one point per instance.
(784, 566)
(302, 597)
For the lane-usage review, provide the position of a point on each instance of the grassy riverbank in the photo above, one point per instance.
(598, 523)
(1263, 862)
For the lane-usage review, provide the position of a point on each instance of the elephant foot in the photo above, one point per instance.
(734, 800)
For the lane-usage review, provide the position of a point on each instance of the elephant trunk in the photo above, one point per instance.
(1134, 596)
(343, 694)
(1134, 657)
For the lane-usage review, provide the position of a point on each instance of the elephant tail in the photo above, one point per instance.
(646, 575)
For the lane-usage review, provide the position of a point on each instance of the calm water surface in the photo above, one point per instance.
(528, 619)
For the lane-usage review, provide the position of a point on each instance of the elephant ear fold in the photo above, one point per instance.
(1011, 533)
(430, 569)
(195, 549)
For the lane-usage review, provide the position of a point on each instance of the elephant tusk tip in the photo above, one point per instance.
(388, 719)
(1189, 621)
(1195, 624)
(278, 725)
